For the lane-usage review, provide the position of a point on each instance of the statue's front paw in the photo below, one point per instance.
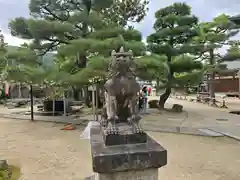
(112, 129)
(137, 129)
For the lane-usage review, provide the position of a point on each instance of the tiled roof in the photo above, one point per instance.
(233, 64)
(235, 19)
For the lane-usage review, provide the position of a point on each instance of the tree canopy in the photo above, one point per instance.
(83, 33)
(123, 12)
(55, 23)
(78, 29)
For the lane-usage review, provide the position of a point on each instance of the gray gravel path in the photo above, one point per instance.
(45, 152)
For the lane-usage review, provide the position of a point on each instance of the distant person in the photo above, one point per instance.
(140, 102)
(149, 90)
(145, 91)
(145, 98)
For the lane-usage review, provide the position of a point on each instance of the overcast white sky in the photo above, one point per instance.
(204, 9)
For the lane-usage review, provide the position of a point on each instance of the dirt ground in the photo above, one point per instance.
(45, 152)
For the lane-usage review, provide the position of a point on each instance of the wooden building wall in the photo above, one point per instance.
(227, 85)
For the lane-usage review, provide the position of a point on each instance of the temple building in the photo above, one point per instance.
(228, 81)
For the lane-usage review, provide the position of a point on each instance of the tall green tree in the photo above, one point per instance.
(213, 36)
(175, 27)
(79, 25)
(3, 52)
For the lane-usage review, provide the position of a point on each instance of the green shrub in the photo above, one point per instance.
(15, 173)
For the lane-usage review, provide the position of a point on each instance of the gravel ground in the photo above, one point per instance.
(45, 152)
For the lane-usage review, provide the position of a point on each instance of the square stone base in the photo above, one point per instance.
(148, 174)
(127, 157)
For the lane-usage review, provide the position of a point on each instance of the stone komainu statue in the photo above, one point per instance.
(121, 92)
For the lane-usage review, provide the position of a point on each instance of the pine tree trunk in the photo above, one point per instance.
(87, 100)
(211, 86)
(164, 97)
(76, 94)
(168, 90)
(212, 75)
(157, 85)
(82, 63)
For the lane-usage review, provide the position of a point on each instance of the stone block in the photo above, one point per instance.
(177, 108)
(128, 157)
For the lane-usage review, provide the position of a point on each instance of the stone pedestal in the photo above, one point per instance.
(138, 161)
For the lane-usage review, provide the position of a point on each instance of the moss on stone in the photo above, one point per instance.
(15, 173)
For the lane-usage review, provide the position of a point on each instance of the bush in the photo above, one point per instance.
(8, 172)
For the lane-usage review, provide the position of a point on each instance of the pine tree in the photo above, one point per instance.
(175, 27)
(213, 36)
(80, 27)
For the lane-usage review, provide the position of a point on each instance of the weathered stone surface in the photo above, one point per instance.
(149, 174)
(125, 136)
(121, 89)
(121, 150)
(131, 157)
(177, 108)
